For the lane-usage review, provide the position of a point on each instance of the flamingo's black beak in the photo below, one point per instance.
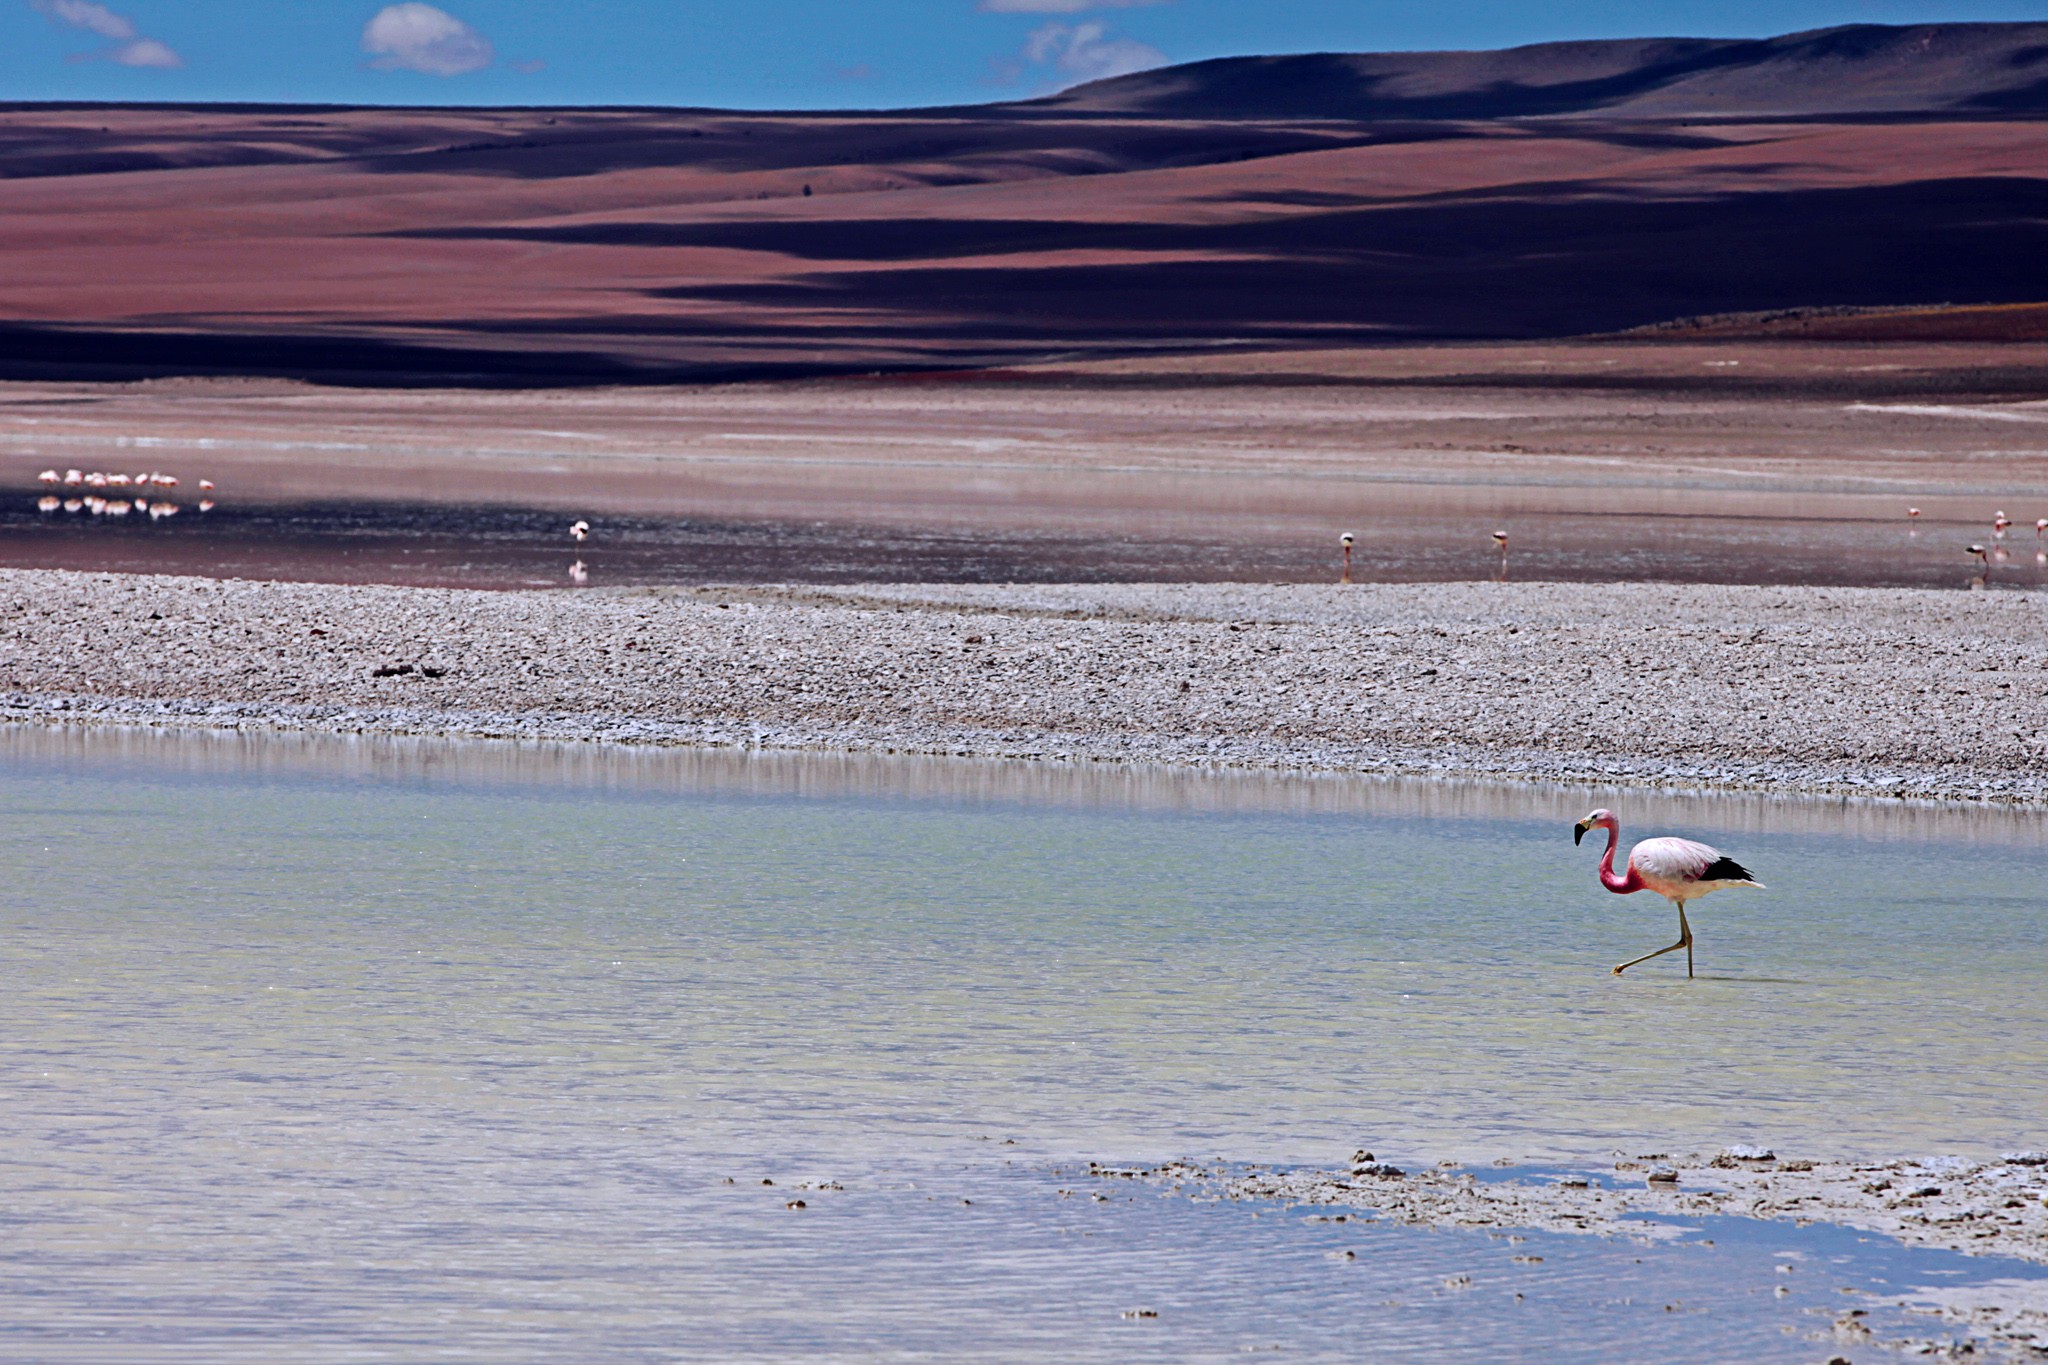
(1578, 833)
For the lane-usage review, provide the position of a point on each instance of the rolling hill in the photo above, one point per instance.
(1853, 70)
(1252, 203)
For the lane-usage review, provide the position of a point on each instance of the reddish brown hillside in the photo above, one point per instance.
(579, 245)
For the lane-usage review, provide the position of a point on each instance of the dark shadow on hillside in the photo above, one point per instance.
(1489, 268)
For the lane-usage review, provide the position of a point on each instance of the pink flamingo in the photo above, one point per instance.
(1998, 524)
(1679, 870)
(1345, 540)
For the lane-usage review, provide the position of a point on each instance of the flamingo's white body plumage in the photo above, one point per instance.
(1673, 868)
(1679, 870)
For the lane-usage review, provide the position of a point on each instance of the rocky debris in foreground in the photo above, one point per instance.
(1995, 1208)
(1888, 692)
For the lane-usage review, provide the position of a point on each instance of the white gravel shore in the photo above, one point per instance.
(1885, 692)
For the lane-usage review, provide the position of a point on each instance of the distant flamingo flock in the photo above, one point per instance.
(1995, 552)
(99, 493)
(1986, 555)
(138, 494)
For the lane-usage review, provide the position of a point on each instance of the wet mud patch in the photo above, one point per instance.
(1942, 1258)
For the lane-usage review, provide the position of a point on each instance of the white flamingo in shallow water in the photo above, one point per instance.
(1679, 870)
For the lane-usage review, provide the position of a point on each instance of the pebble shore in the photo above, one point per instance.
(1878, 692)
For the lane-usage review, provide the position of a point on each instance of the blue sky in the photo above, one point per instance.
(783, 53)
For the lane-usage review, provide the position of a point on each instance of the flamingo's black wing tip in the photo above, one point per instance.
(1726, 870)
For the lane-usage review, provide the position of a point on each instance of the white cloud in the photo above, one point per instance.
(1087, 52)
(146, 52)
(88, 16)
(126, 45)
(415, 37)
(1058, 6)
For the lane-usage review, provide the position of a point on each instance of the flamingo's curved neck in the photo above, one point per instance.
(1621, 884)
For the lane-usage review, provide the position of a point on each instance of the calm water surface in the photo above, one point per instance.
(403, 1052)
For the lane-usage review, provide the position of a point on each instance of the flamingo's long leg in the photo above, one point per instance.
(1684, 941)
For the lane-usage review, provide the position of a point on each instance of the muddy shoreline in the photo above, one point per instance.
(1984, 1208)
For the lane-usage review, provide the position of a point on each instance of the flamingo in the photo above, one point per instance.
(578, 530)
(49, 476)
(1345, 540)
(1999, 522)
(1679, 870)
(2040, 527)
(1913, 512)
(1500, 538)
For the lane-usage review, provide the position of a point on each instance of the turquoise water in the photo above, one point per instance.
(402, 1051)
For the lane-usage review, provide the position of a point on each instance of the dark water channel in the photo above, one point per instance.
(487, 546)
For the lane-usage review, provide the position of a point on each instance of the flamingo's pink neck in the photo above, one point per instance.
(1619, 885)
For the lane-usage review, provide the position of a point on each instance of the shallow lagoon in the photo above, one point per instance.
(404, 1050)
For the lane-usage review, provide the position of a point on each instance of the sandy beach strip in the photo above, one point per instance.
(1881, 692)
